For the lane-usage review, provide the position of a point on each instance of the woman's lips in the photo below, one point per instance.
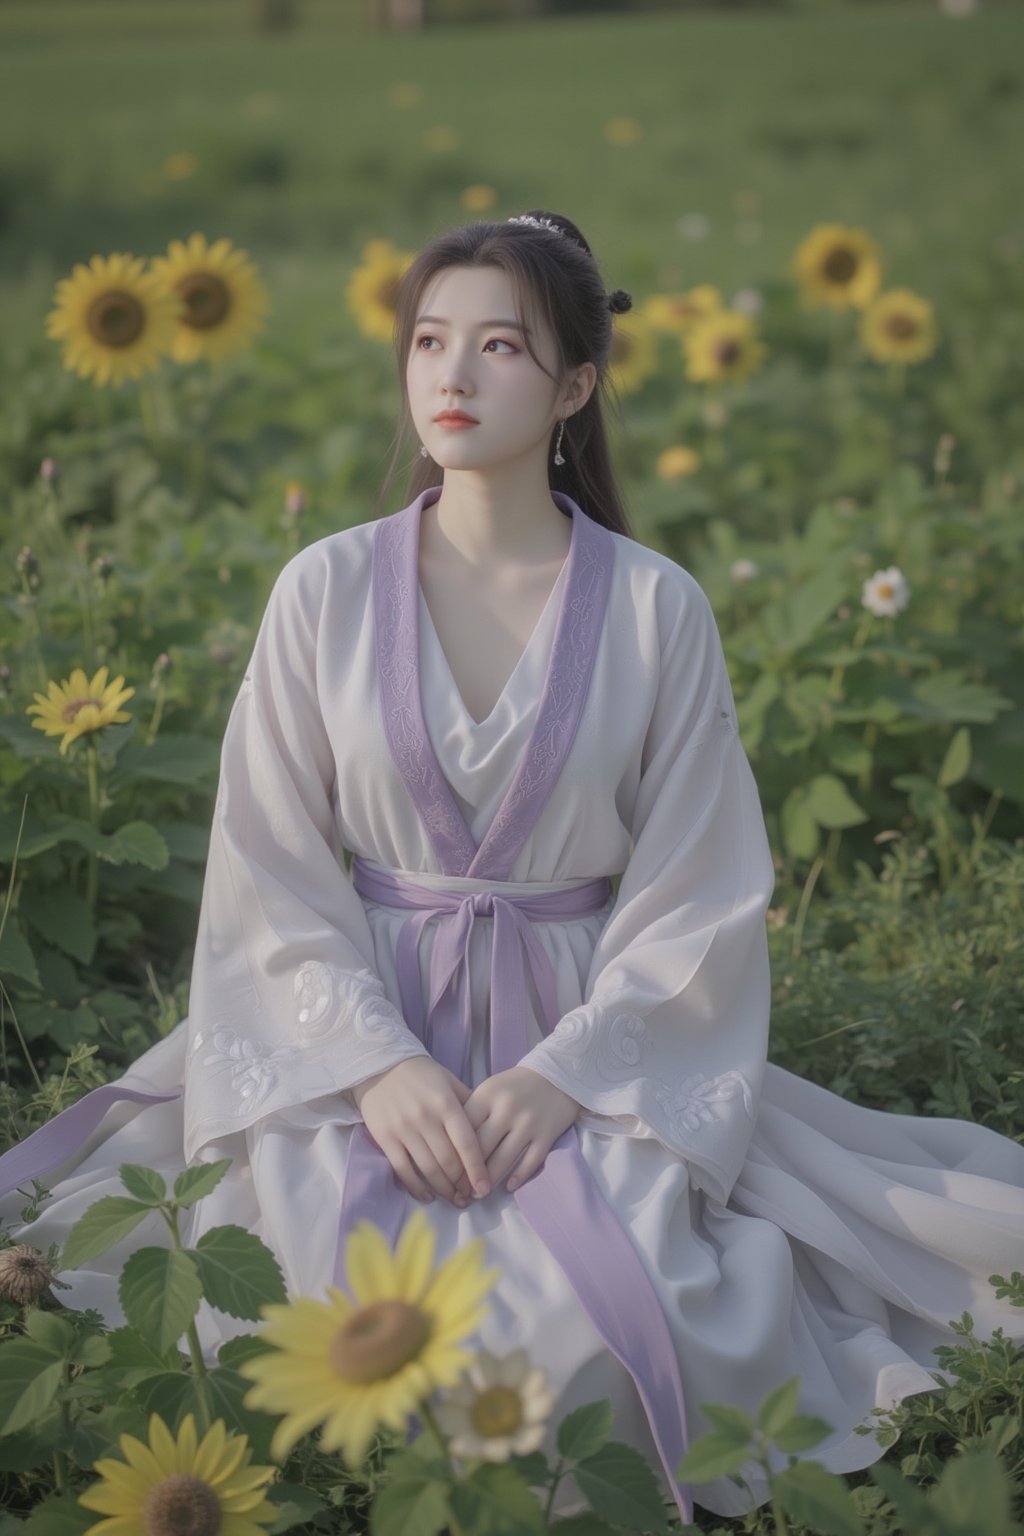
(455, 423)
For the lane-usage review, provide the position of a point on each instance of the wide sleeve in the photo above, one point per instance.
(671, 1039)
(285, 1005)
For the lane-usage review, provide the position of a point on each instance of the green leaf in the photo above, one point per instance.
(927, 800)
(16, 957)
(800, 833)
(132, 1350)
(730, 1421)
(414, 1502)
(62, 918)
(227, 1391)
(957, 759)
(713, 1456)
(949, 695)
(136, 843)
(585, 1430)
(61, 1515)
(170, 1395)
(245, 1346)
(819, 1499)
(160, 1292)
(30, 1378)
(198, 1181)
(494, 1498)
(779, 1406)
(105, 1223)
(29, 1448)
(239, 1274)
(50, 1330)
(144, 1184)
(831, 804)
(296, 1505)
(802, 1431)
(793, 623)
(621, 1484)
(975, 1494)
(171, 759)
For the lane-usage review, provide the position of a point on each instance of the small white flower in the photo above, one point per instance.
(747, 301)
(743, 570)
(499, 1409)
(958, 7)
(886, 592)
(694, 226)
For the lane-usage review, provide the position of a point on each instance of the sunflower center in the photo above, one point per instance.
(900, 327)
(727, 352)
(840, 265)
(207, 300)
(498, 1411)
(71, 708)
(181, 1506)
(115, 318)
(378, 1340)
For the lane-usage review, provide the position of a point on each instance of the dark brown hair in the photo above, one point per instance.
(557, 276)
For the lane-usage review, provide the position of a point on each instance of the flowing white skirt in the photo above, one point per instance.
(849, 1241)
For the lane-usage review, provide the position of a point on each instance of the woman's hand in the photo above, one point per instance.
(415, 1113)
(518, 1116)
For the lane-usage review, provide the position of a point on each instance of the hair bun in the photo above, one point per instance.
(620, 301)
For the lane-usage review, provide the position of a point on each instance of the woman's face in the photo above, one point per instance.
(471, 357)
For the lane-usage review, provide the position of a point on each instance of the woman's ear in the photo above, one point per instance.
(580, 388)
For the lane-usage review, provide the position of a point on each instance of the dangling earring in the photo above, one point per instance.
(424, 452)
(558, 446)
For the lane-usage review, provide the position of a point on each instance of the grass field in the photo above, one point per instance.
(901, 119)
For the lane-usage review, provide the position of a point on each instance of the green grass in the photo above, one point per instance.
(900, 119)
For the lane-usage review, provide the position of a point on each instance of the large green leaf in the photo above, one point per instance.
(103, 1224)
(160, 1291)
(818, 1499)
(494, 1498)
(62, 917)
(30, 1378)
(238, 1271)
(620, 1484)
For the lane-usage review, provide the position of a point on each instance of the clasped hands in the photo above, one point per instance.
(443, 1137)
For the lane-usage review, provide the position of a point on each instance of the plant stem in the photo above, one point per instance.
(92, 883)
(434, 1427)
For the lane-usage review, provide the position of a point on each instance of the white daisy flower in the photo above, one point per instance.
(743, 570)
(499, 1409)
(886, 592)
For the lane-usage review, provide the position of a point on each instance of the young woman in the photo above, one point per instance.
(496, 700)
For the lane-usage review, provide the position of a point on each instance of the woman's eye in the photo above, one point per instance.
(501, 342)
(499, 339)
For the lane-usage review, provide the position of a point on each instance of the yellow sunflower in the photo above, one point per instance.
(222, 299)
(352, 1365)
(634, 353)
(724, 346)
(675, 313)
(372, 290)
(837, 266)
(899, 327)
(172, 1485)
(115, 319)
(76, 706)
(478, 197)
(675, 462)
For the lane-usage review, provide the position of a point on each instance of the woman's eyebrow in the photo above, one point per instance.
(512, 325)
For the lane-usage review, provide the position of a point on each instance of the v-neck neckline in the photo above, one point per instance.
(581, 608)
(556, 593)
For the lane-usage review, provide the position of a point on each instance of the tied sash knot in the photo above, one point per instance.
(443, 1020)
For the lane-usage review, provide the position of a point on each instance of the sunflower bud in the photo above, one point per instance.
(294, 500)
(24, 1274)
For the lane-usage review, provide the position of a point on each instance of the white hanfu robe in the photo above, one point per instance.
(780, 1229)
